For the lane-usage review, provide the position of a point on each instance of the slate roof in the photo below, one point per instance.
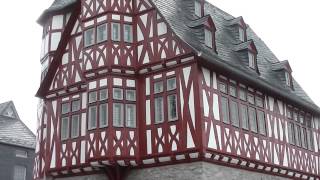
(179, 15)
(14, 132)
(57, 5)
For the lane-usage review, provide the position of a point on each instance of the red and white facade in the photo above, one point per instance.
(156, 54)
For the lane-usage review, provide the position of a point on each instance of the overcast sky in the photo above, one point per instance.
(290, 28)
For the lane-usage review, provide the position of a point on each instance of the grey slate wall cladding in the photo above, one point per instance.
(8, 160)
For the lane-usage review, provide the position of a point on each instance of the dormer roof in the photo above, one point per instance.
(281, 65)
(203, 21)
(248, 45)
(236, 21)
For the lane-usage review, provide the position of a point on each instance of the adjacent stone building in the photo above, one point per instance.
(17, 145)
(167, 89)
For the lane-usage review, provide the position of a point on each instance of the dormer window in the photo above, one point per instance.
(252, 60)
(208, 38)
(288, 78)
(241, 34)
(197, 8)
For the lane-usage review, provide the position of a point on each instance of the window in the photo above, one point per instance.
(89, 37)
(288, 79)
(115, 31)
(295, 116)
(242, 94)
(117, 94)
(304, 138)
(64, 128)
(65, 108)
(102, 33)
(131, 95)
(259, 101)
(75, 126)
(253, 120)
(171, 84)
(252, 60)
(244, 116)
(223, 87)
(241, 34)
(127, 33)
(225, 110)
(261, 122)
(92, 97)
(117, 115)
(208, 38)
(158, 87)
(310, 140)
(21, 154)
(158, 107)
(233, 91)
(19, 173)
(103, 115)
(172, 107)
(291, 133)
(75, 105)
(298, 135)
(92, 117)
(197, 8)
(131, 115)
(103, 94)
(289, 112)
(234, 114)
(250, 98)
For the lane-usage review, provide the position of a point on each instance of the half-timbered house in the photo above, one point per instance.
(167, 89)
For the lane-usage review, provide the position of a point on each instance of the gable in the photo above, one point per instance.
(8, 110)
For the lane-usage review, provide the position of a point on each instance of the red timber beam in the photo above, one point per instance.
(45, 84)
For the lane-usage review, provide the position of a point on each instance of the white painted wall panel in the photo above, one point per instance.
(55, 39)
(57, 22)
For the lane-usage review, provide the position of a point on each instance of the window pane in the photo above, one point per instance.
(250, 98)
(127, 33)
(295, 116)
(172, 107)
(241, 34)
(171, 84)
(291, 133)
(259, 102)
(131, 95)
(158, 87)
(303, 138)
(19, 173)
(225, 110)
(243, 94)
(158, 105)
(65, 108)
(131, 115)
(103, 115)
(233, 91)
(75, 105)
(103, 94)
(117, 94)
(253, 119)
(288, 80)
(102, 33)
(92, 97)
(92, 117)
(64, 128)
(197, 8)
(244, 117)
(117, 115)
(75, 126)
(234, 114)
(310, 140)
(89, 37)
(251, 60)
(208, 38)
(262, 123)
(115, 31)
(289, 113)
(298, 135)
(223, 87)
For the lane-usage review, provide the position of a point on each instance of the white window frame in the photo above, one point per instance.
(90, 120)
(128, 97)
(156, 85)
(131, 117)
(114, 94)
(100, 115)
(170, 106)
(241, 34)
(197, 8)
(158, 116)
(117, 122)
(21, 154)
(65, 130)
(252, 60)
(75, 133)
(169, 88)
(113, 35)
(87, 44)
(208, 36)
(288, 78)
(98, 31)
(127, 36)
